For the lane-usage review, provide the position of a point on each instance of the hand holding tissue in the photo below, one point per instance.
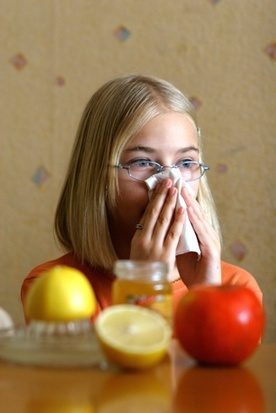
(188, 241)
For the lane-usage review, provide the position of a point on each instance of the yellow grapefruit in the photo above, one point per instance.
(61, 294)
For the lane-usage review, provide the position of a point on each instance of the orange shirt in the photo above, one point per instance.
(101, 280)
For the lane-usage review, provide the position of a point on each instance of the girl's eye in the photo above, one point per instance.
(141, 162)
(186, 163)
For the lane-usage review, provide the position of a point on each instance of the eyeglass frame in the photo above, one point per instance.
(161, 167)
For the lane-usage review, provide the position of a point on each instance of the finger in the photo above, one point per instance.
(189, 199)
(147, 224)
(175, 230)
(206, 234)
(163, 197)
(162, 220)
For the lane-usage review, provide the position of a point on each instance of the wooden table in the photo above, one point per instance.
(175, 385)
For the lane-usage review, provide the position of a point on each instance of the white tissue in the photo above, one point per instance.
(188, 241)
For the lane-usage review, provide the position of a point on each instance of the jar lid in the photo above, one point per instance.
(154, 270)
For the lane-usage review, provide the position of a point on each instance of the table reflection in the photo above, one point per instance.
(136, 393)
(176, 385)
(210, 389)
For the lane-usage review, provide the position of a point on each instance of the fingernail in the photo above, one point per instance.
(181, 211)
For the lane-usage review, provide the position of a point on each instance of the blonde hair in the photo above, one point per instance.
(113, 115)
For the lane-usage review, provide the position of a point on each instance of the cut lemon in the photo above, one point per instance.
(132, 336)
(61, 294)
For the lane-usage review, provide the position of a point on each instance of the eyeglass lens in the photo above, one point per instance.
(142, 171)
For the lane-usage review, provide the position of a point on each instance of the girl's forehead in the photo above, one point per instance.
(170, 121)
(171, 130)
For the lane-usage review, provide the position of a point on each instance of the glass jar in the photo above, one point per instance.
(145, 284)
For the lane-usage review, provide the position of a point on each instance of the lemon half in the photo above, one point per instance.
(133, 337)
(60, 294)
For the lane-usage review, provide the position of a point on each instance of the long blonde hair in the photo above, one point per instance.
(113, 115)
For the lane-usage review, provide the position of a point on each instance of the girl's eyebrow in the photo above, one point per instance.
(139, 149)
(148, 149)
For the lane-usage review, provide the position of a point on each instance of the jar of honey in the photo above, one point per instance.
(143, 283)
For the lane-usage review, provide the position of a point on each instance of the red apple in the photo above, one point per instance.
(219, 324)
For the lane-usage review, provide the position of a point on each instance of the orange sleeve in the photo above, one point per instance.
(231, 275)
(234, 275)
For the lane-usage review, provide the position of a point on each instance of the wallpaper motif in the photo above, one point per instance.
(40, 176)
(19, 61)
(122, 33)
(270, 50)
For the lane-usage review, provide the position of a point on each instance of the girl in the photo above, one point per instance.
(132, 128)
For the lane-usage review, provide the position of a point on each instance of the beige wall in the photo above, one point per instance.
(55, 53)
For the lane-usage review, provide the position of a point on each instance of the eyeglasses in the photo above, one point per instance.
(141, 170)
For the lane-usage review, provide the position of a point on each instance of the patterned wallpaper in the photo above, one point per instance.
(55, 53)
